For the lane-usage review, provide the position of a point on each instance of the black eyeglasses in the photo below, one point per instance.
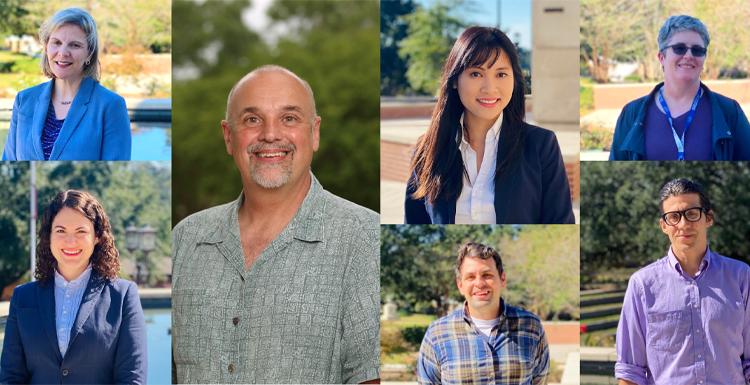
(682, 48)
(692, 214)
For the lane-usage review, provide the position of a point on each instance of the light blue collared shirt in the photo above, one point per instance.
(68, 296)
(677, 329)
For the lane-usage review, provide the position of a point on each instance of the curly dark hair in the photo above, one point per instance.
(105, 260)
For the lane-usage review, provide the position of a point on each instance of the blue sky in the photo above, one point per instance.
(515, 16)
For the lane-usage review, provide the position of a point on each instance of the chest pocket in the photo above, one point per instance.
(667, 331)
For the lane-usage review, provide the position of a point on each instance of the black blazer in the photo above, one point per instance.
(107, 342)
(533, 189)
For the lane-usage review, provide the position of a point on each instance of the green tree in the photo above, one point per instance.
(541, 264)
(432, 32)
(333, 45)
(393, 29)
(620, 225)
(14, 18)
(14, 221)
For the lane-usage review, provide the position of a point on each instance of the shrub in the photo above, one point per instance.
(413, 335)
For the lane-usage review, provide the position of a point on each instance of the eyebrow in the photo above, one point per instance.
(63, 227)
(69, 41)
(489, 69)
(256, 110)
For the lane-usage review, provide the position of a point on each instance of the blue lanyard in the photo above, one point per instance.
(680, 142)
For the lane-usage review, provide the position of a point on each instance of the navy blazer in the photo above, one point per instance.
(107, 341)
(533, 189)
(97, 126)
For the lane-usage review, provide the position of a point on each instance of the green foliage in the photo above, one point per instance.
(14, 17)
(333, 45)
(541, 262)
(392, 342)
(625, 30)
(393, 29)
(432, 32)
(122, 25)
(619, 200)
(414, 334)
(132, 193)
(14, 221)
(594, 137)
(586, 94)
(543, 270)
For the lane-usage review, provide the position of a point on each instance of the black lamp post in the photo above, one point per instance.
(143, 239)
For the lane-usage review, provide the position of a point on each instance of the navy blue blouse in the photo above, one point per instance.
(51, 130)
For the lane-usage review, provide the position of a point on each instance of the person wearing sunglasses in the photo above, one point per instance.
(682, 119)
(685, 317)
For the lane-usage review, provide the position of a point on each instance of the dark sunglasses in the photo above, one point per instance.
(681, 49)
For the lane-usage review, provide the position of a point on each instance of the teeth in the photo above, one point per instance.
(487, 101)
(71, 252)
(271, 154)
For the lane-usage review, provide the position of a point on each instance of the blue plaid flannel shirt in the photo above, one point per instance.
(453, 350)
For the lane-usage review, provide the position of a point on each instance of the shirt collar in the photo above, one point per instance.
(493, 133)
(307, 224)
(675, 264)
(501, 317)
(82, 279)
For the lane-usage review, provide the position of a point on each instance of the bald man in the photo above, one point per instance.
(282, 284)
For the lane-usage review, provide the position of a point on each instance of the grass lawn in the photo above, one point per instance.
(586, 92)
(3, 137)
(409, 320)
(407, 355)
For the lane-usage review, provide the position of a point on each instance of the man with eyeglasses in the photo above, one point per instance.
(686, 317)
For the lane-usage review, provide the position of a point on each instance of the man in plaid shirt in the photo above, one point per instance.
(487, 341)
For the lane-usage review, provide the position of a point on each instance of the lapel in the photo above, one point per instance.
(40, 116)
(88, 303)
(77, 110)
(46, 300)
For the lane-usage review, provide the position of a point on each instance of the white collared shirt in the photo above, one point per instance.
(476, 204)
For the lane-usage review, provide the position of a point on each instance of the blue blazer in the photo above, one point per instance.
(534, 188)
(97, 126)
(107, 341)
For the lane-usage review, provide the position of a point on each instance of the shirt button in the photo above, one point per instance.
(230, 368)
(65, 372)
(236, 320)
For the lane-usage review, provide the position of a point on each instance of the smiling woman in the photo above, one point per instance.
(479, 161)
(91, 318)
(682, 119)
(71, 117)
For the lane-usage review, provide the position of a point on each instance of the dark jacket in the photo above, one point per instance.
(107, 341)
(533, 189)
(730, 130)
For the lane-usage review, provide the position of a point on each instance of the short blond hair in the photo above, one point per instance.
(81, 19)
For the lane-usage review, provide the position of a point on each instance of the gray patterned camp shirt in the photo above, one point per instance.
(306, 311)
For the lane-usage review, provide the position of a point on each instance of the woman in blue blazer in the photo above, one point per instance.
(71, 117)
(479, 162)
(78, 323)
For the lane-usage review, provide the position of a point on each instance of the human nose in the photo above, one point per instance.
(487, 84)
(270, 131)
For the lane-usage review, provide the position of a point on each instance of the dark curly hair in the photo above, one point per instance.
(105, 260)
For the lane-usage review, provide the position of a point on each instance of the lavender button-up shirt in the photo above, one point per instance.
(676, 329)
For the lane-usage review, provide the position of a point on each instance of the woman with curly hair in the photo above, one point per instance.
(78, 323)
